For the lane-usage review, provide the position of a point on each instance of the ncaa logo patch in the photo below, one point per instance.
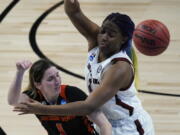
(63, 102)
(91, 57)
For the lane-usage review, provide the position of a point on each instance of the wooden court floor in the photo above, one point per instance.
(59, 41)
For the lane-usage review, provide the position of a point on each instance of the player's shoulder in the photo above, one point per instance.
(74, 93)
(29, 93)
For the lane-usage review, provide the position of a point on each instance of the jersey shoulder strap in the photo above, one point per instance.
(63, 92)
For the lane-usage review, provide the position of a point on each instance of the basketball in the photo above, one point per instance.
(151, 37)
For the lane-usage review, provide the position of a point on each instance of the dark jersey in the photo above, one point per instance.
(65, 125)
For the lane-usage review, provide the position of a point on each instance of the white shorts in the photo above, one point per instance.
(141, 126)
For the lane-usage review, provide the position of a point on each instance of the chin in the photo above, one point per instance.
(102, 48)
(105, 50)
(56, 93)
(56, 90)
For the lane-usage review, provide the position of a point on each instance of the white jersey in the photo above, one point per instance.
(124, 111)
(125, 103)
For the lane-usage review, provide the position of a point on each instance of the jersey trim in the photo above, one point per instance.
(124, 105)
(120, 59)
(54, 118)
(63, 92)
(139, 127)
(115, 60)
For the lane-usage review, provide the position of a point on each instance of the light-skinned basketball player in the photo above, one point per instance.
(45, 86)
(109, 74)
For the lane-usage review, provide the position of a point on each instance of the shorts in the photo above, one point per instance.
(138, 125)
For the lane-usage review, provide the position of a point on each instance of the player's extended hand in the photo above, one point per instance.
(71, 6)
(23, 65)
(31, 107)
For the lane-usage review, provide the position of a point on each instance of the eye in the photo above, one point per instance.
(110, 35)
(50, 78)
(102, 31)
(57, 75)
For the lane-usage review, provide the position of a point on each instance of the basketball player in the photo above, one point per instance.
(45, 87)
(109, 74)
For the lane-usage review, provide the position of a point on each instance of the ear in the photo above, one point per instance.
(37, 85)
(124, 40)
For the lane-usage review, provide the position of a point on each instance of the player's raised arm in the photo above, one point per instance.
(14, 95)
(83, 24)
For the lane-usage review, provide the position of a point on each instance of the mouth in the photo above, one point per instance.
(57, 87)
(102, 45)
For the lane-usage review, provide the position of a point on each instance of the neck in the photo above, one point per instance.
(52, 99)
(103, 56)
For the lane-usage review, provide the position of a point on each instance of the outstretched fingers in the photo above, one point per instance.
(22, 108)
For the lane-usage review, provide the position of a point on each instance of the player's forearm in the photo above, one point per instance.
(79, 108)
(101, 121)
(82, 23)
(15, 89)
(105, 128)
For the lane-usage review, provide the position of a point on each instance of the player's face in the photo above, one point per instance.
(50, 83)
(110, 38)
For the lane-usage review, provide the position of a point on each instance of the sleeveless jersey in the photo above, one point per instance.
(65, 125)
(125, 103)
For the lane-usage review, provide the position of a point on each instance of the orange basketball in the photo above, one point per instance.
(151, 37)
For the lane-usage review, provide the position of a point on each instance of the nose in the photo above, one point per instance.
(57, 80)
(104, 37)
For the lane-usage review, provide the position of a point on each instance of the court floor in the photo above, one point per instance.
(50, 31)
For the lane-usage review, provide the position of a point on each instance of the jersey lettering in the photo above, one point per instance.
(94, 81)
